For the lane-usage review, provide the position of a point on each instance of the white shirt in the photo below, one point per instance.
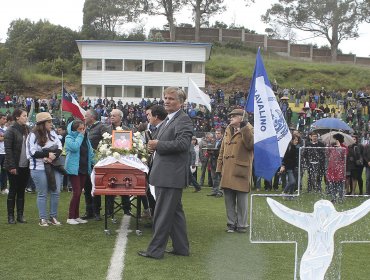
(32, 147)
(2, 133)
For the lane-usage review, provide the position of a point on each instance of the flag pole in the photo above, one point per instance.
(61, 99)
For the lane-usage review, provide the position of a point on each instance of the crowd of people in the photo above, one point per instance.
(53, 149)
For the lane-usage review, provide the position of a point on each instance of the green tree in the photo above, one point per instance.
(203, 9)
(219, 24)
(33, 42)
(335, 20)
(167, 8)
(101, 18)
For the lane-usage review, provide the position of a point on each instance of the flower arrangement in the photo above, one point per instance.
(138, 149)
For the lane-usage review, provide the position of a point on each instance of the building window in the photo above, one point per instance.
(113, 91)
(92, 64)
(93, 91)
(132, 91)
(113, 65)
(194, 67)
(151, 92)
(133, 65)
(153, 65)
(173, 66)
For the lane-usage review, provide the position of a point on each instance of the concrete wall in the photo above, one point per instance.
(282, 47)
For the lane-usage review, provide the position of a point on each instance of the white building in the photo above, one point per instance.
(131, 71)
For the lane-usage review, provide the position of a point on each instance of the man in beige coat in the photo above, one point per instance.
(235, 165)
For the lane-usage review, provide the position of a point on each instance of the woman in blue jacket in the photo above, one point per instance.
(79, 160)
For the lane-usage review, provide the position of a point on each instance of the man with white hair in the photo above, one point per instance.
(116, 116)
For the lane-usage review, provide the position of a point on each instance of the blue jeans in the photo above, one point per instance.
(292, 180)
(39, 178)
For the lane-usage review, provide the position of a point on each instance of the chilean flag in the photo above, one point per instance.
(271, 132)
(70, 104)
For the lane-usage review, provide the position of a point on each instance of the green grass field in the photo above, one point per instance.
(84, 251)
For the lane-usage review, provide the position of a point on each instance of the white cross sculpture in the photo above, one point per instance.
(321, 226)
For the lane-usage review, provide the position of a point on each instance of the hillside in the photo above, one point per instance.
(232, 69)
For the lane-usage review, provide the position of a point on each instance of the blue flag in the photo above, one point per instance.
(271, 132)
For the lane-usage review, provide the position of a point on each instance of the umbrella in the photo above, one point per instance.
(327, 138)
(332, 124)
(284, 98)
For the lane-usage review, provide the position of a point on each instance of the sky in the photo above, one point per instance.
(68, 13)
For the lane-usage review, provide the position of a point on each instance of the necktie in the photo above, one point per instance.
(166, 121)
(152, 128)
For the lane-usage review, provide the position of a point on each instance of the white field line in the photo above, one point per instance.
(117, 260)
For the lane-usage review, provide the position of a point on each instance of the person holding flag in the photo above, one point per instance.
(272, 135)
(234, 162)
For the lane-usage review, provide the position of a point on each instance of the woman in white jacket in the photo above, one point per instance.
(43, 150)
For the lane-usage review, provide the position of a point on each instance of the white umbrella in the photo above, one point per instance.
(327, 138)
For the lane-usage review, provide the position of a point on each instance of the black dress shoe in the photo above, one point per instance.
(173, 252)
(146, 255)
(87, 216)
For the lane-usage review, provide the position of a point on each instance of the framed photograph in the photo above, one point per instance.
(122, 139)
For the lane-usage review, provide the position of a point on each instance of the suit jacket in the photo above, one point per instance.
(170, 166)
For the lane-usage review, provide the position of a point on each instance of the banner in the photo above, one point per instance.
(271, 132)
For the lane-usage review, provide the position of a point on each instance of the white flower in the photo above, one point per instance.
(102, 149)
(109, 152)
(134, 145)
(119, 128)
(106, 135)
(143, 159)
(141, 146)
(137, 134)
(116, 155)
(140, 142)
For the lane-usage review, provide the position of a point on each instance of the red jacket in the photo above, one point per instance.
(336, 171)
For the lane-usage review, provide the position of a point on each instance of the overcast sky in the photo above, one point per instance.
(68, 13)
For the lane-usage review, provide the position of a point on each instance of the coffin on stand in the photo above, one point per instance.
(120, 179)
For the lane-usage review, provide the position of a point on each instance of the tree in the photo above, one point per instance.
(335, 20)
(166, 8)
(203, 9)
(101, 18)
(30, 42)
(219, 24)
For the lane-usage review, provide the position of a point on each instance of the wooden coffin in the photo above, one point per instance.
(119, 179)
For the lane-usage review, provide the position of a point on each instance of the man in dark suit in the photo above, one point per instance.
(156, 115)
(169, 175)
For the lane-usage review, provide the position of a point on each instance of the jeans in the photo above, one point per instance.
(40, 180)
(336, 190)
(292, 180)
(215, 181)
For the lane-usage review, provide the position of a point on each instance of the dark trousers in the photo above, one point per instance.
(125, 204)
(3, 175)
(314, 177)
(168, 221)
(77, 182)
(93, 203)
(18, 183)
(148, 201)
